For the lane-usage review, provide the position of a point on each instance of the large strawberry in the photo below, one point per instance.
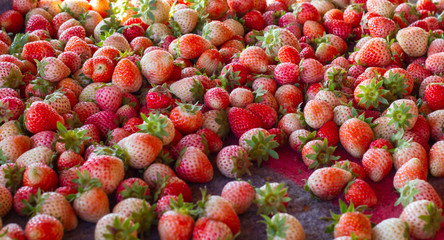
(177, 223)
(40, 117)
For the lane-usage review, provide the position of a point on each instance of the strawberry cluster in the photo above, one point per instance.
(129, 101)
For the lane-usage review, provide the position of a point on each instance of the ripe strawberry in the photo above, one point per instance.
(22, 193)
(104, 120)
(413, 169)
(176, 223)
(44, 227)
(360, 193)
(206, 228)
(433, 94)
(210, 62)
(350, 222)
(214, 143)
(69, 159)
(40, 117)
(240, 194)
(362, 136)
(192, 46)
(107, 169)
(327, 183)
(11, 21)
(109, 98)
(317, 113)
(374, 53)
(41, 176)
(284, 225)
(189, 89)
(127, 76)
(216, 98)
(436, 159)
(423, 218)
(254, 20)
(132, 188)
(99, 69)
(219, 209)
(377, 163)
(217, 122)
(79, 46)
(38, 50)
(312, 71)
(330, 132)
(406, 150)
(186, 118)
(194, 166)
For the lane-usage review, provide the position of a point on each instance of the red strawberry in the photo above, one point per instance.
(176, 223)
(242, 120)
(329, 131)
(105, 120)
(40, 117)
(327, 183)
(433, 94)
(37, 50)
(158, 97)
(41, 176)
(193, 166)
(350, 223)
(11, 21)
(360, 193)
(99, 69)
(186, 118)
(44, 227)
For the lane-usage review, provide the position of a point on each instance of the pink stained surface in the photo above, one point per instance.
(291, 166)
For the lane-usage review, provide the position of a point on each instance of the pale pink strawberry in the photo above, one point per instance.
(423, 218)
(289, 97)
(193, 166)
(416, 190)
(105, 120)
(109, 98)
(240, 194)
(107, 169)
(142, 149)
(217, 98)
(436, 158)
(241, 97)
(115, 223)
(317, 113)
(233, 162)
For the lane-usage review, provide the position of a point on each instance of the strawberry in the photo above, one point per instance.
(41, 176)
(416, 190)
(109, 98)
(132, 188)
(44, 227)
(22, 193)
(232, 161)
(11, 21)
(99, 69)
(69, 159)
(289, 54)
(6, 201)
(85, 109)
(433, 95)
(206, 228)
(350, 223)
(189, 89)
(38, 50)
(107, 169)
(354, 168)
(362, 136)
(157, 66)
(13, 231)
(91, 203)
(413, 41)
(53, 204)
(275, 191)
(217, 122)
(284, 225)
(158, 97)
(391, 228)
(330, 132)
(240, 194)
(78, 46)
(353, 14)
(194, 166)
(241, 97)
(240, 7)
(423, 218)
(317, 113)
(104, 120)
(327, 183)
(40, 117)
(216, 98)
(177, 223)
(377, 163)
(192, 46)
(134, 144)
(436, 159)
(406, 150)
(254, 59)
(312, 71)
(259, 144)
(186, 118)
(374, 53)
(266, 113)
(360, 193)
(113, 224)
(184, 20)
(413, 169)
(219, 209)
(127, 76)
(210, 61)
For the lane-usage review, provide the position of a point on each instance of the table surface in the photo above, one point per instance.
(289, 169)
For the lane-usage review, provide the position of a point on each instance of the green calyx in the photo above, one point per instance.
(407, 193)
(241, 164)
(399, 115)
(395, 83)
(344, 209)
(73, 139)
(323, 155)
(145, 9)
(346, 166)
(5, 112)
(165, 158)
(275, 227)
(121, 230)
(155, 125)
(224, 127)
(84, 183)
(33, 205)
(189, 108)
(433, 219)
(362, 117)
(14, 79)
(337, 76)
(16, 47)
(262, 147)
(258, 93)
(115, 151)
(41, 85)
(13, 175)
(182, 207)
(272, 200)
(197, 89)
(145, 217)
(54, 96)
(230, 78)
(271, 40)
(305, 140)
(134, 191)
(372, 94)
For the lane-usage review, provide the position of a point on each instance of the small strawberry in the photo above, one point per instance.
(206, 228)
(114, 224)
(377, 163)
(360, 193)
(391, 228)
(193, 166)
(178, 222)
(327, 183)
(350, 223)
(186, 118)
(284, 225)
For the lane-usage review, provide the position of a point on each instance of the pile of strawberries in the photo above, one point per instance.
(125, 101)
